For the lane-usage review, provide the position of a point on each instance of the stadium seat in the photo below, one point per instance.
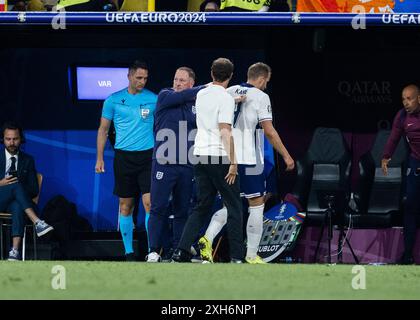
(379, 198)
(6, 219)
(325, 167)
(323, 173)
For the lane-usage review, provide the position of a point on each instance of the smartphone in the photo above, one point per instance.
(13, 173)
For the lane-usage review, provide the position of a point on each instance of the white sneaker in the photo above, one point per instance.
(41, 228)
(153, 257)
(14, 255)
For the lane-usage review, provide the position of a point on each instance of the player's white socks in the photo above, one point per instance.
(254, 229)
(217, 222)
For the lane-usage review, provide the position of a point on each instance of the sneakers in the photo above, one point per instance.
(206, 250)
(256, 260)
(153, 257)
(14, 255)
(406, 260)
(130, 257)
(181, 256)
(233, 260)
(167, 255)
(41, 228)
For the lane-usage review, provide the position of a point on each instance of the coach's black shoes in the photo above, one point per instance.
(233, 260)
(167, 255)
(181, 256)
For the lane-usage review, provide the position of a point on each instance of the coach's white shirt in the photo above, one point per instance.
(255, 109)
(213, 106)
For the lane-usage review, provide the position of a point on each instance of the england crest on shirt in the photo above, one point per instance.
(159, 175)
(193, 110)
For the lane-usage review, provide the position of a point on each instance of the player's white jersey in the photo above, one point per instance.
(248, 114)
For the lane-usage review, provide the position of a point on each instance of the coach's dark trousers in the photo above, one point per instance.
(209, 179)
(13, 199)
(412, 205)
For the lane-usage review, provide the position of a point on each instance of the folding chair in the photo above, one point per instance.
(6, 221)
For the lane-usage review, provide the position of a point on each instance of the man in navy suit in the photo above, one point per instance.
(18, 185)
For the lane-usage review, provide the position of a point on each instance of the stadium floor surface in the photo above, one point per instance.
(122, 280)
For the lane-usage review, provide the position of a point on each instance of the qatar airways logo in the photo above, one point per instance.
(366, 92)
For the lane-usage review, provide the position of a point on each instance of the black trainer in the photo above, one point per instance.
(167, 255)
(233, 260)
(406, 259)
(130, 257)
(181, 256)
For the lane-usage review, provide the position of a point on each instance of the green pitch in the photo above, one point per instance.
(119, 280)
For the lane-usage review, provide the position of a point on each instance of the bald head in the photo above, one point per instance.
(412, 88)
(411, 98)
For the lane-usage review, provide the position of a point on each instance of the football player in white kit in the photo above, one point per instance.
(253, 110)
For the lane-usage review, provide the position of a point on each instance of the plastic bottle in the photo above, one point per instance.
(289, 260)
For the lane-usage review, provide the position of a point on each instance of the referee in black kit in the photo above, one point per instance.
(217, 168)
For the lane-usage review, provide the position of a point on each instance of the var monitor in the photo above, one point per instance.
(97, 83)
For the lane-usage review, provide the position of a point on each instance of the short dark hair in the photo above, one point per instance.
(11, 125)
(138, 64)
(221, 69)
(190, 71)
(258, 69)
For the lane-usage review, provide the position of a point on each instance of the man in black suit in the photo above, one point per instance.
(19, 184)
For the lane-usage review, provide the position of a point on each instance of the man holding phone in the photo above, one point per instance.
(19, 184)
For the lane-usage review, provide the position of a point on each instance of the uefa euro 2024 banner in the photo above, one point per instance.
(370, 6)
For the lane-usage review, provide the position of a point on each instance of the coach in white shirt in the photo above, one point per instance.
(252, 111)
(217, 169)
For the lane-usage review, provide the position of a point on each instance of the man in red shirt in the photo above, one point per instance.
(407, 123)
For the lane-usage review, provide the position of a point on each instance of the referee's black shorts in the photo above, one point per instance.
(132, 170)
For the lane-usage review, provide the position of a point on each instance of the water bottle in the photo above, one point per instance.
(290, 260)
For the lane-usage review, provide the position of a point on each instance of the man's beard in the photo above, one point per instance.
(12, 150)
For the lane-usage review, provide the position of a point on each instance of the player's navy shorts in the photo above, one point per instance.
(132, 170)
(252, 181)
